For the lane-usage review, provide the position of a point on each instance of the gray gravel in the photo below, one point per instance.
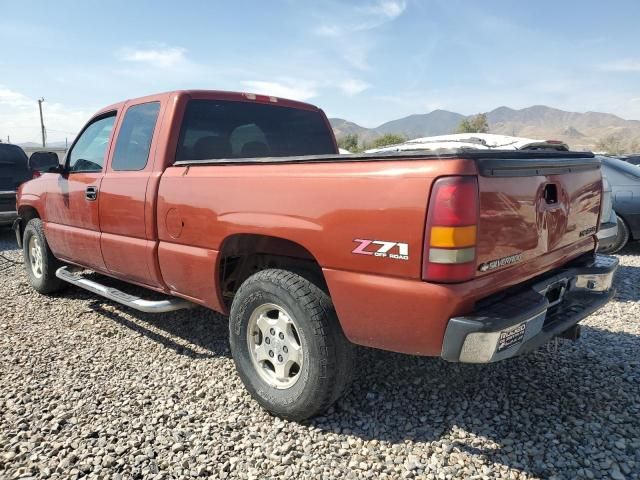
(88, 388)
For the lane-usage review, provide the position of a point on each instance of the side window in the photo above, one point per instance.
(134, 139)
(89, 151)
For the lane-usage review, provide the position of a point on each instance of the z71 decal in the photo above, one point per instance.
(380, 248)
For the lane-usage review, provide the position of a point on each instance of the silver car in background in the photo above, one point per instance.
(608, 232)
(624, 178)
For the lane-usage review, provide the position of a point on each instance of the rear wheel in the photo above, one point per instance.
(622, 238)
(39, 262)
(287, 344)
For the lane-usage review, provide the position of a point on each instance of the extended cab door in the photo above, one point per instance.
(127, 209)
(71, 207)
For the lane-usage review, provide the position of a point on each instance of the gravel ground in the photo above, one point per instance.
(88, 388)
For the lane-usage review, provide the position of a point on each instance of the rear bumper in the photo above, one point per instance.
(607, 235)
(511, 324)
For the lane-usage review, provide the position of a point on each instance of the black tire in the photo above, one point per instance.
(622, 238)
(44, 280)
(327, 368)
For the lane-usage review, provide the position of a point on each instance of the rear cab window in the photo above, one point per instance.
(220, 129)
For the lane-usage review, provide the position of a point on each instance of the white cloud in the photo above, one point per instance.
(388, 8)
(377, 14)
(353, 86)
(19, 118)
(294, 90)
(328, 31)
(350, 30)
(11, 99)
(163, 57)
(624, 65)
(355, 19)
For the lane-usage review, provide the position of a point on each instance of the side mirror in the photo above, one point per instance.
(44, 162)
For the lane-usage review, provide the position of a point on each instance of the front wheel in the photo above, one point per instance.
(39, 262)
(287, 344)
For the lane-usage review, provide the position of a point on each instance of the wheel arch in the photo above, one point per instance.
(243, 254)
(26, 213)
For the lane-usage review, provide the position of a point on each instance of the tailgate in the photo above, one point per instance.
(531, 207)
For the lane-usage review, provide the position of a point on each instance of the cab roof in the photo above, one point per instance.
(216, 95)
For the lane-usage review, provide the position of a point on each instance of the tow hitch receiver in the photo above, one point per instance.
(555, 292)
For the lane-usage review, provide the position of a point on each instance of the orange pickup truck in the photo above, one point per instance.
(242, 204)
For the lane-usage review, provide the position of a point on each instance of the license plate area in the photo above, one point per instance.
(513, 336)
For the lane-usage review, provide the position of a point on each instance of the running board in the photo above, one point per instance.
(149, 306)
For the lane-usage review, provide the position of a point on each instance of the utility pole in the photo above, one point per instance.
(40, 100)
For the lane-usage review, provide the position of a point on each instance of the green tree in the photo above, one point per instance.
(476, 124)
(388, 139)
(611, 145)
(349, 142)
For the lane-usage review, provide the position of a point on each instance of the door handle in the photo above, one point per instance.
(91, 193)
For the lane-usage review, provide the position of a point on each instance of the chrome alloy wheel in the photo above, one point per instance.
(275, 346)
(35, 256)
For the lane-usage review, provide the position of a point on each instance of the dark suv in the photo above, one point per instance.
(14, 170)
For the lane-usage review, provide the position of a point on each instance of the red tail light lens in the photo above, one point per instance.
(456, 202)
(451, 230)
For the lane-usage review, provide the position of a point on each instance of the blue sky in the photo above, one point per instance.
(368, 61)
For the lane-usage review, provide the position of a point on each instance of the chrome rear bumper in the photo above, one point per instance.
(514, 323)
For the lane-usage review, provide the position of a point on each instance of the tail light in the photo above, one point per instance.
(451, 230)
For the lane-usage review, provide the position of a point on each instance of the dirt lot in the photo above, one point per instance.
(88, 388)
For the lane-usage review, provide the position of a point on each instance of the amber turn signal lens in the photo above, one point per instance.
(453, 237)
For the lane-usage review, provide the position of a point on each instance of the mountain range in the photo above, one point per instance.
(582, 131)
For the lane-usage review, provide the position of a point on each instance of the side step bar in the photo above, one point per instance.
(149, 306)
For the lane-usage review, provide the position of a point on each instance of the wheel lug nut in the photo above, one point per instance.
(285, 349)
(280, 358)
(271, 353)
(281, 335)
(267, 340)
(272, 331)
